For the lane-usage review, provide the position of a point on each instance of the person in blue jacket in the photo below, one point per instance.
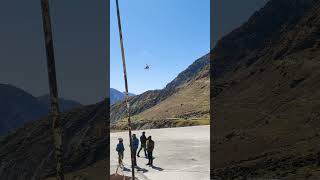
(120, 150)
(135, 146)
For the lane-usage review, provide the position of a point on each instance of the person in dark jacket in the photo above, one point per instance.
(135, 146)
(143, 141)
(150, 147)
(120, 150)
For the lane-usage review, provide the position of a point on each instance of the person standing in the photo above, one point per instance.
(120, 149)
(150, 147)
(135, 146)
(143, 141)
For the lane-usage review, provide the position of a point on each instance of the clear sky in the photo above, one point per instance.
(169, 35)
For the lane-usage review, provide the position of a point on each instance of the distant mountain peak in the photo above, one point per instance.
(18, 107)
(65, 104)
(116, 95)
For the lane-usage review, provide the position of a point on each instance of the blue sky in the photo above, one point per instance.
(168, 35)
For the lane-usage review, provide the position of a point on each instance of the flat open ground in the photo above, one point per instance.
(180, 154)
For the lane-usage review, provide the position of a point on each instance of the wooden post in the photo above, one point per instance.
(127, 91)
(54, 110)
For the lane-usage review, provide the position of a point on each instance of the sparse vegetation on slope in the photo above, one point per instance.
(27, 153)
(186, 97)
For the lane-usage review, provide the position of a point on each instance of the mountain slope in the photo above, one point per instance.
(116, 96)
(177, 95)
(27, 154)
(18, 107)
(256, 38)
(266, 80)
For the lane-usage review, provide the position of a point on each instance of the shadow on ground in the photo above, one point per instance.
(157, 168)
(118, 177)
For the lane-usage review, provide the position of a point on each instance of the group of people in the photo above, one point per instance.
(146, 144)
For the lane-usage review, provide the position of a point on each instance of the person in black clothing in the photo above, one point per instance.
(150, 147)
(143, 140)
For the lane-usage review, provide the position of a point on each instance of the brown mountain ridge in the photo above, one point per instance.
(184, 101)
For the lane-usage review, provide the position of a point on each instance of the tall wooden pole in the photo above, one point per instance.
(54, 110)
(127, 91)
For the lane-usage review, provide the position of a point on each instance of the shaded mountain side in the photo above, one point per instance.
(64, 104)
(27, 153)
(150, 99)
(18, 107)
(97, 171)
(255, 38)
(266, 94)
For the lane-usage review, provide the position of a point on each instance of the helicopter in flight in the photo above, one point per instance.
(147, 67)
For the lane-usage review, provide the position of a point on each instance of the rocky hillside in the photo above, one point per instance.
(266, 98)
(18, 107)
(27, 154)
(185, 97)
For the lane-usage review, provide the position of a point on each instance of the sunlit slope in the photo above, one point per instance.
(183, 102)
